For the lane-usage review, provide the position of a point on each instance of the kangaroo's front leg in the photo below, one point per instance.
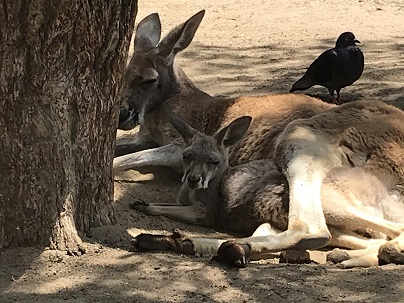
(193, 214)
(167, 155)
(177, 242)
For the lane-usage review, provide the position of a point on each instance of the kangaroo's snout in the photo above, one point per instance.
(194, 181)
(128, 118)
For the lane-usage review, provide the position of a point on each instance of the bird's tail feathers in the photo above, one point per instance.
(303, 83)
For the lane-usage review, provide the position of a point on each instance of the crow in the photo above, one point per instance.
(335, 68)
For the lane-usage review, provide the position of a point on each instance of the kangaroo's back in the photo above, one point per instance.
(368, 134)
(271, 114)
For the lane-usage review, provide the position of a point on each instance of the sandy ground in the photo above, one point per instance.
(242, 47)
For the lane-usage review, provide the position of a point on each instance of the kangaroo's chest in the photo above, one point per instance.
(157, 129)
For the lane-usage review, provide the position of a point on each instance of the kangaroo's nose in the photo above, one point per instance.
(193, 180)
(124, 115)
(128, 118)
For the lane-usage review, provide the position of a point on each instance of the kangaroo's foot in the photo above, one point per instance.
(233, 254)
(354, 258)
(392, 252)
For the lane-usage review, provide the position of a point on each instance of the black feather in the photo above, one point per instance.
(335, 68)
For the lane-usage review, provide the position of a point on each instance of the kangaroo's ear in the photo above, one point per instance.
(148, 32)
(183, 128)
(180, 37)
(233, 133)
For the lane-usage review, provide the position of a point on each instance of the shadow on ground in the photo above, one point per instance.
(261, 70)
(129, 277)
(108, 272)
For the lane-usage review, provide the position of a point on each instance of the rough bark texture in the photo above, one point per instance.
(61, 64)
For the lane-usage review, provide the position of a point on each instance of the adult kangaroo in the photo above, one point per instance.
(154, 83)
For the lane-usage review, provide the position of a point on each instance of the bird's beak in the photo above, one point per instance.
(356, 41)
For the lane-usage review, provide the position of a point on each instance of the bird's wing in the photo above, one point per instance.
(320, 71)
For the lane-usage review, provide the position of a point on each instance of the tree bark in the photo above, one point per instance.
(61, 64)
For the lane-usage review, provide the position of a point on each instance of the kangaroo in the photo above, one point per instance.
(305, 137)
(362, 206)
(153, 78)
(154, 83)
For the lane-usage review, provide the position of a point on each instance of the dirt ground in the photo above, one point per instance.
(241, 47)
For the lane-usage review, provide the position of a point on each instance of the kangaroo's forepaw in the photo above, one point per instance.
(390, 252)
(150, 242)
(233, 254)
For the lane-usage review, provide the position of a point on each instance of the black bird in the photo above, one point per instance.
(335, 68)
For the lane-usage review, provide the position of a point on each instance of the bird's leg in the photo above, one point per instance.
(334, 100)
(338, 100)
(331, 91)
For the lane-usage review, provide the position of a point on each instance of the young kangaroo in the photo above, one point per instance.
(255, 197)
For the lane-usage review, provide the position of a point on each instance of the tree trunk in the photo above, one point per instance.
(61, 64)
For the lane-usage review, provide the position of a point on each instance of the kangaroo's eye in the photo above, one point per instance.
(213, 161)
(149, 82)
(187, 156)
